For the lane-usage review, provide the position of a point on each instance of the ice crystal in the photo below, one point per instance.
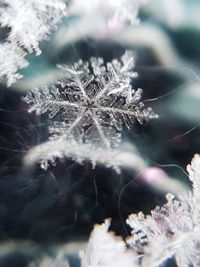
(91, 103)
(28, 22)
(172, 230)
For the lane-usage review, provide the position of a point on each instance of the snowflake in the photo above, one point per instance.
(91, 103)
(172, 230)
(28, 22)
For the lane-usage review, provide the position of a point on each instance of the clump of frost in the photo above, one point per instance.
(104, 249)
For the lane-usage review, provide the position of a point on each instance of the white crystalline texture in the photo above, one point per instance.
(106, 250)
(28, 23)
(172, 230)
(48, 153)
(11, 59)
(91, 107)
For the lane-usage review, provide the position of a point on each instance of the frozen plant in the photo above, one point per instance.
(28, 23)
(60, 148)
(111, 158)
(89, 107)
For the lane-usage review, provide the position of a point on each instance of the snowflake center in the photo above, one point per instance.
(90, 104)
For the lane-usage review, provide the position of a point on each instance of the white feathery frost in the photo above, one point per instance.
(28, 23)
(110, 17)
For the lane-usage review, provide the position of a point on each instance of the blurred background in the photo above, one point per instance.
(41, 211)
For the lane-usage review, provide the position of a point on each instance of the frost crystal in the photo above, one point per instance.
(28, 22)
(91, 107)
(172, 230)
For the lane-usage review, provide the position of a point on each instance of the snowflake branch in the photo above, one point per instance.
(82, 87)
(137, 113)
(75, 123)
(101, 133)
(128, 61)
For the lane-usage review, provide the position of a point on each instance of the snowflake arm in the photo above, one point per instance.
(46, 100)
(116, 77)
(48, 152)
